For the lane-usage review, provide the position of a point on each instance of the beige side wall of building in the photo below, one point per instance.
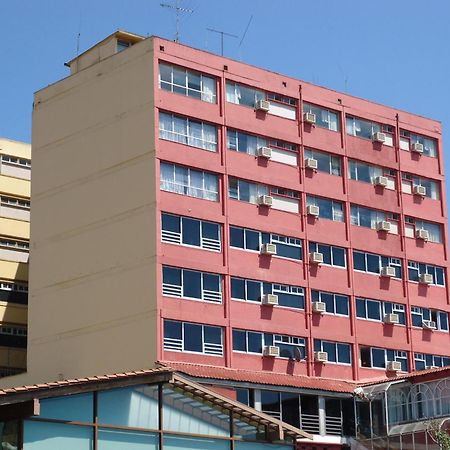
(93, 229)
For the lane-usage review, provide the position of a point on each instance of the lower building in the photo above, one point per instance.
(15, 173)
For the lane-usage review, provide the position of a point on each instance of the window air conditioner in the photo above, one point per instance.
(422, 234)
(321, 357)
(271, 350)
(378, 137)
(311, 163)
(316, 258)
(393, 366)
(387, 271)
(262, 105)
(431, 367)
(381, 181)
(268, 249)
(420, 190)
(383, 225)
(309, 117)
(264, 152)
(391, 318)
(426, 278)
(313, 210)
(265, 200)
(429, 324)
(270, 299)
(417, 147)
(319, 307)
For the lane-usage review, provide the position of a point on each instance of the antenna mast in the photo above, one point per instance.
(178, 11)
(222, 34)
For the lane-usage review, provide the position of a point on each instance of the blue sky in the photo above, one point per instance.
(394, 52)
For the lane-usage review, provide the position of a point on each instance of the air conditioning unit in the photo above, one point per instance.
(381, 181)
(426, 278)
(393, 366)
(262, 105)
(265, 200)
(391, 319)
(387, 271)
(422, 234)
(309, 117)
(321, 357)
(313, 210)
(269, 299)
(268, 249)
(383, 225)
(271, 350)
(319, 307)
(417, 147)
(378, 137)
(431, 367)
(264, 152)
(316, 258)
(420, 190)
(429, 324)
(311, 163)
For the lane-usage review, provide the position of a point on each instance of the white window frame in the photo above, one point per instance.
(336, 349)
(312, 153)
(332, 247)
(337, 207)
(334, 294)
(415, 265)
(392, 262)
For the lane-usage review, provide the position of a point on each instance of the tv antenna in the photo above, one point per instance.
(222, 34)
(179, 10)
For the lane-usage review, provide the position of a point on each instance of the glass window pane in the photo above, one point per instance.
(326, 251)
(77, 408)
(131, 440)
(343, 351)
(172, 329)
(373, 310)
(172, 275)
(237, 237)
(338, 257)
(165, 73)
(132, 407)
(330, 348)
(341, 304)
(360, 308)
(192, 284)
(238, 288)
(239, 341)
(254, 342)
(56, 436)
(252, 240)
(191, 443)
(253, 290)
(193, 337)
(373, 263)
(378, 358)
(213, 335)
(289, 251)
(170, 223)
(211, 282)
(210, 230)
(359, 261)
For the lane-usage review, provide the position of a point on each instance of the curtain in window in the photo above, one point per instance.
(195, 134)
(211, 187)
(209, 89)
(231, 93)
(165, 126)
(332, 121)
(210, 137)
(181, 180)
(167, 177)
(196, 184)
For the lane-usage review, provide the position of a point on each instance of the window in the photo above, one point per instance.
(13, 202)
(407, 139)
(366, 129)
(14, 292)
(254, 342)
(379, 357)
(423, 361)
(328, 209)
(12, 244)
(252, 291)
(338, 352)
(15, 161)
(187, 131)
(245, 191)
(12, 336)
(369, 218)
(243, 95)
(325, 118)
(434, 229)
(333, 256)
(282, 151)
(419, 315)
(190, 182)
(369, 309)
(431, 187)
(371, 263)
(187, 82)
(192, 232)
(367, 173)
(287, 247)
(325, 162)
(335, 303)
(123, 45)
(415, 269)
(281, 99)
(192, 284)
(192, 337)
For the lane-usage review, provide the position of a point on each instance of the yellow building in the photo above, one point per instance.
(15, 171)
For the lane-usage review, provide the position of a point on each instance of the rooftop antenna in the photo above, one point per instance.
(178, 11)
(222, 34)
(246, 29)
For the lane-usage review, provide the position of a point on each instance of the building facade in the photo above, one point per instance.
(15, 169)
(213, 214)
